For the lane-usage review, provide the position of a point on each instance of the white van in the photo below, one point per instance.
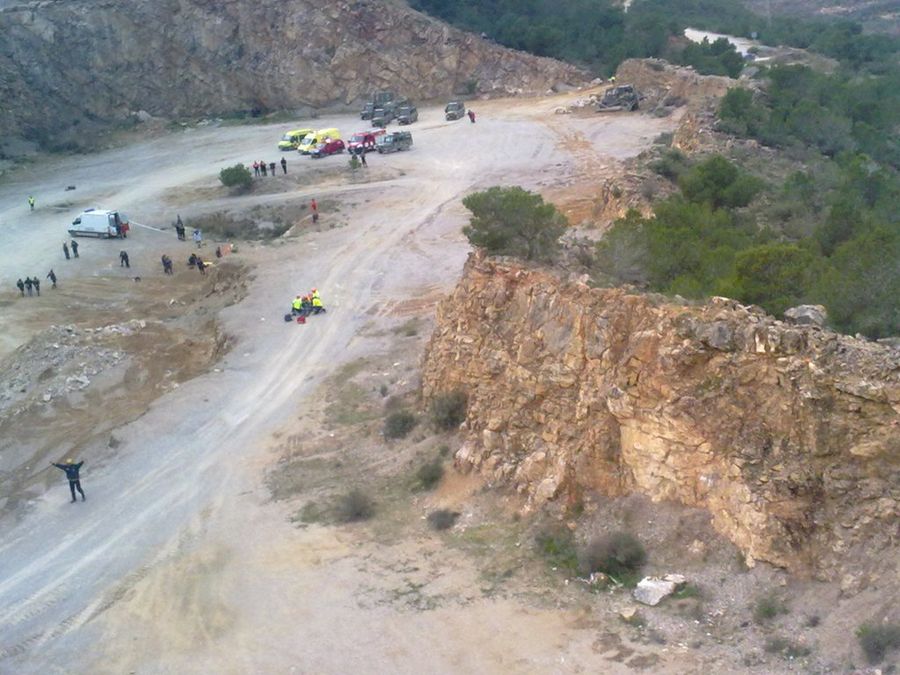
(97, 223)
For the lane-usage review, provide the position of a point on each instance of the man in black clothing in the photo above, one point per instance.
(21, 286)
(28, 285)
(74, 248)
(72, 469)
(284, 164)
(37, 285)
(52, 278)
(123, 259)
(66, 250)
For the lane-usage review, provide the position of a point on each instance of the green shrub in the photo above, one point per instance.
(430, 474)
(442, 519)
(876, 639)
(557, 546)
(237, 177)
(785, 647)
(448, 410)
(354, 506)
(512, 221)
(720, 183)
(767, 607)
(774, 276)
(619, 555)
(398, 424)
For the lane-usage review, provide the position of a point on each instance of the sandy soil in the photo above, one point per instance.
(180, 561)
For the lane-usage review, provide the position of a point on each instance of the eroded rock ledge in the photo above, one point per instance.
(788, 435)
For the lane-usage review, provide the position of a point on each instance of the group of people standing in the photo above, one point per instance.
(260, 168)
(33, 286)
(74, 253)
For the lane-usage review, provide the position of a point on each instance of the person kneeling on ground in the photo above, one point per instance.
(317, 306)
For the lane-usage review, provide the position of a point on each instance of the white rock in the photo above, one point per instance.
(651, 590)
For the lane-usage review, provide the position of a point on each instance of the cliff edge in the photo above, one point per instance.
(788, 435)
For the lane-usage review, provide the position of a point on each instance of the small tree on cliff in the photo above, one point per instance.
(513, 221)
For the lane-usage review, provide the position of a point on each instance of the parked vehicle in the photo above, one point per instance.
(623, 97)
(98, 223)
(407, 114)
(331, 146)
(382, 117)
(394, 142)
(454, 110)
(292, 139)
(364, 141)
(313, 139)
(386, 100)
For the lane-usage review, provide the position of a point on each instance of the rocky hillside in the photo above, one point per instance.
(789, 435)
(75, 66)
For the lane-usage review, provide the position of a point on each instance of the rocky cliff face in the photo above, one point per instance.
(84, 63)
(788, 435)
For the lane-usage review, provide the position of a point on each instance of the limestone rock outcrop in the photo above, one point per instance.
(788, 435)
(81, 64)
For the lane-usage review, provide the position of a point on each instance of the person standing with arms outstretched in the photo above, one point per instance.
(72, 469)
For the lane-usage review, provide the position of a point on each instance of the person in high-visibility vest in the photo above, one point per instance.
(31, 202)
(318, 307)
(297, 305)
(314, 293)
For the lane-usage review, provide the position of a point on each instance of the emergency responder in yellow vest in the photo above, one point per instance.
(296, 305)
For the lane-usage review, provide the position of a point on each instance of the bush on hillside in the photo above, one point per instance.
(237, 177)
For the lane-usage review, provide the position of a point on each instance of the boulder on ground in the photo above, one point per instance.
(806, 315)
(652, 590)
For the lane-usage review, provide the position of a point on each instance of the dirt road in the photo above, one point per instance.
(178, 562)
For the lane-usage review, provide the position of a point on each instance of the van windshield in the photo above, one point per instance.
(309, 139)
(287, 137)
(357, 138)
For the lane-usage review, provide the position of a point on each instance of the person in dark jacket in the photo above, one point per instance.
(74, 248)
(72, 469)
(123, 259)
(66, 250)
(284, 165)
(52, 278)
(37, 285)
(272, 167)
(21, 286)
(28, 285)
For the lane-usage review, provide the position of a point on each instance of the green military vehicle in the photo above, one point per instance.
(394, 142)
(407, 113)
(454, 110)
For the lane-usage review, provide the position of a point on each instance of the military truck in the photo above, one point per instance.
(407, 113)
(381, 117)
(622, 97)
(386, 100)
(394, 142)
(455, 110)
